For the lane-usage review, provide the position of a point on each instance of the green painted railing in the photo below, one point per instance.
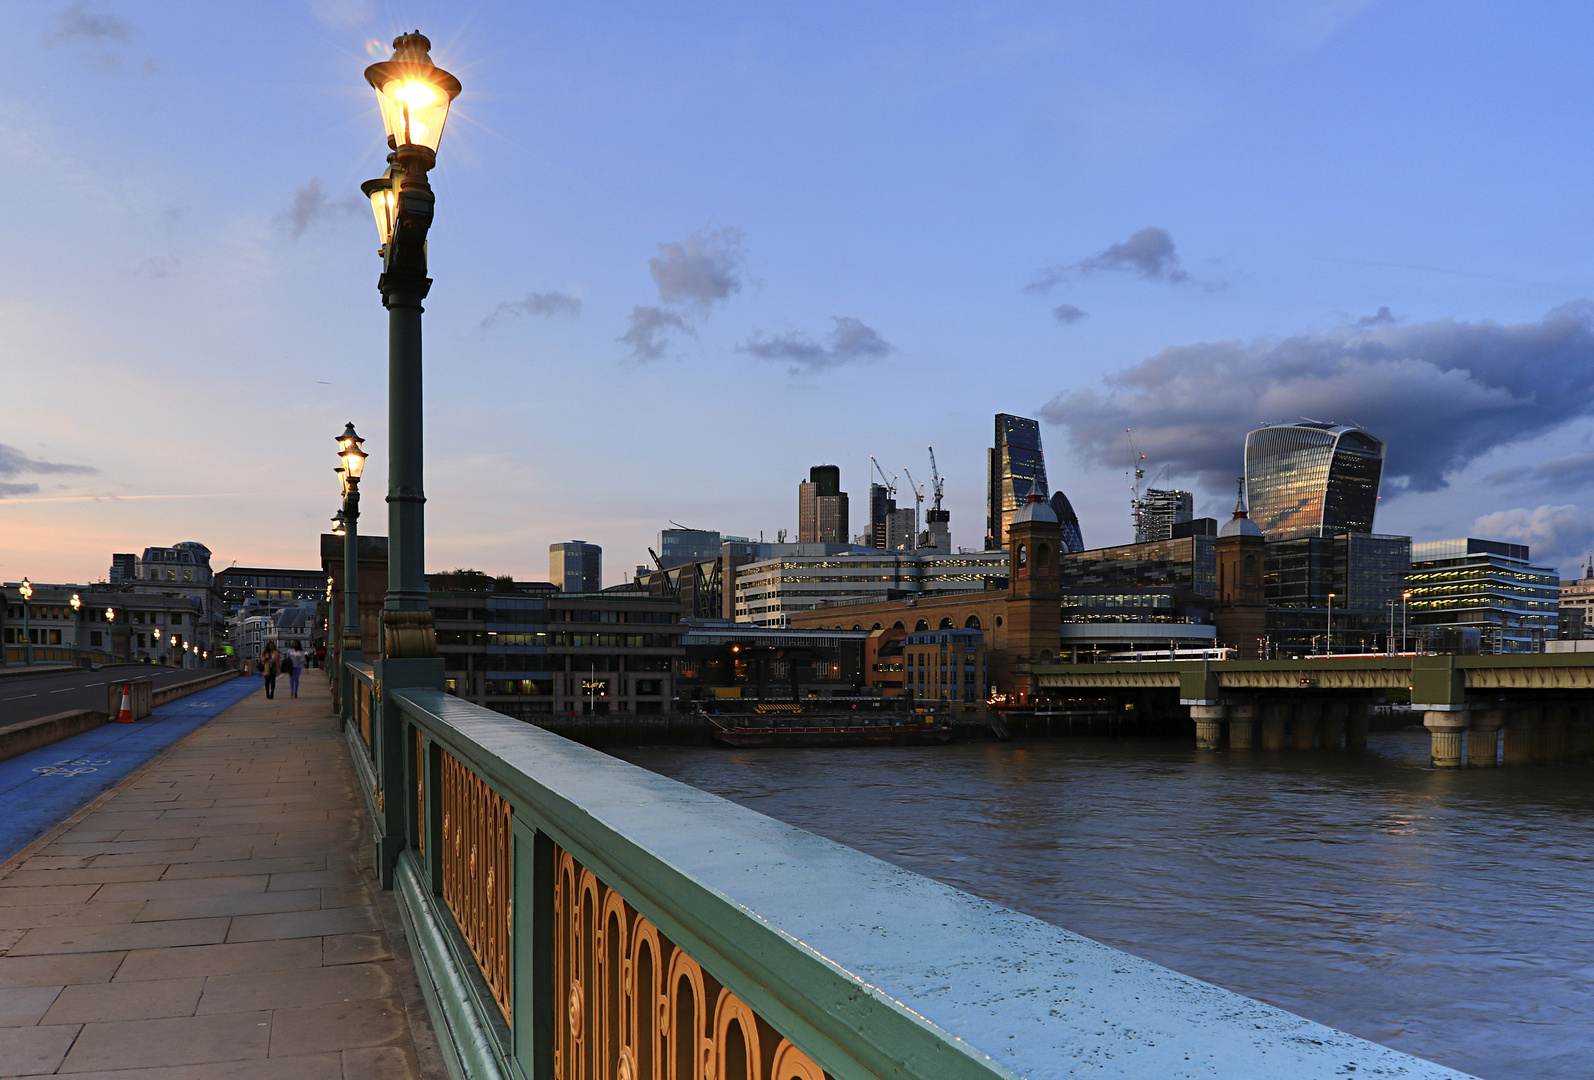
(575, 916)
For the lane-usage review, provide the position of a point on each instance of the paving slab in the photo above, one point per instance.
(214, 918)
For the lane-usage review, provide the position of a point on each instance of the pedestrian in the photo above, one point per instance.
(293, 665)
(268, 668)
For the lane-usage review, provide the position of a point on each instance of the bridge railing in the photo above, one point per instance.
(574, 916)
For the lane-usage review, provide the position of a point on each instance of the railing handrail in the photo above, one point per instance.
(871, 969)
(364, 672)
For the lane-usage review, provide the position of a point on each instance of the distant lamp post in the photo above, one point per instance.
(347, 525)
(110, 619)
(414, 95)
(77, 606)
(157, 643)
(1330, 649)
(1405, 598)
(27, 626)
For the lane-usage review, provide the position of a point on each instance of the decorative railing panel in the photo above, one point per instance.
(636, 1007)
(476, 871)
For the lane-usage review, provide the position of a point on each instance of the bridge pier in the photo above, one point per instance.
(1208, 726)
(1483, 738)
(1303, 726)
(1331, 729)
(1242, 725)
(1580, 735)
(1446, 728)
(1519, 735)
(1356, 726)
(1273, 717)
(1550, 746)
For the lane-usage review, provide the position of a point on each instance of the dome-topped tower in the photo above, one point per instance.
(1240, 611)
(1241, 524)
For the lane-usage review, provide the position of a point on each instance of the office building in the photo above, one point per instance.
(124, 568)
(1068, 522)
(533, 655)
(1015, 466)
(1365, 572)
(1577, 604)
(937, 531)
(822, 507)
(265, 590)
(1159, 511)
(768, 592)
(901, 528)
(881, 506)
(678, 546)
(182, 572)
(576, 566)
(946, 666)
(1312, 479)
(1468, 589)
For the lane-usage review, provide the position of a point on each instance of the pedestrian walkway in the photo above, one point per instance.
(215, 916)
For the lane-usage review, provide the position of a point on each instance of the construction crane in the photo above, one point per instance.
(890, 485)
(1138, 469)
(937, 481)
(918, 501)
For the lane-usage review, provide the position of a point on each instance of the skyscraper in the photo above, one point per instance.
(1015, 466)
(1160, 511)
(576, 566)
(881, 506)
(822, 508)
(1312, 479)
(1067, 522)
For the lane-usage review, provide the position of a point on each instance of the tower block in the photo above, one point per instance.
(1034, 613)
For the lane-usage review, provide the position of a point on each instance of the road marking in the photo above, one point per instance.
(71, 768)
(21, 696)
(65, 690)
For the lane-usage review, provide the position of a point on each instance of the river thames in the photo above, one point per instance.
(1448, 914)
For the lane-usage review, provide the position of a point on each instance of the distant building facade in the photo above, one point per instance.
(822, 508)
(576, 566)
(1068, 522)
(1577, 604)
(945, 666)
(1015, 466)
(1160, 511)
(1470, 586)
(768, 592)
(1312, 479)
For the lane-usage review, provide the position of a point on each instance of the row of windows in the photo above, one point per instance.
(39, 611)
(521, 616)
(543, 639)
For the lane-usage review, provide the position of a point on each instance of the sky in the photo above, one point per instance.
(684, 252)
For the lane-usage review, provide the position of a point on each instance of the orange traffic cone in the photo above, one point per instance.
(125, 716)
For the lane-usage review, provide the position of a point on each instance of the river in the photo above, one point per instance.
(1447, 914)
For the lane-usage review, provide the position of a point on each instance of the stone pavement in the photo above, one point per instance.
(214, 916)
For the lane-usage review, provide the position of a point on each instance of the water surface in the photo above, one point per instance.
(1447, 914)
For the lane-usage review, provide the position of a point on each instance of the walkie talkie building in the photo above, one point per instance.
(1312, 479)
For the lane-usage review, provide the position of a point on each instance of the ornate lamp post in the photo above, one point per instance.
(347, 525)
(414, 95)
(77, 605)
(1330, 649)
(1405, 599)
(157, 643)
(110, 619)
(27, 627)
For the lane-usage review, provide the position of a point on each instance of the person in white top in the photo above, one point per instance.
(295, 657)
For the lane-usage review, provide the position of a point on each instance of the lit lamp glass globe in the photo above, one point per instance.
(349, 451)
(26, 590)
(414, 93)
(77, 603)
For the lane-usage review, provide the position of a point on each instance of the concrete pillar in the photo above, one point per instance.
(1242, 725)
(1356, 726)
(1274, 714)
(1552, 731)
(1331, 729)
(1520, 724)
(1446, 729)
(1483, 738)
(1303, 725)
(1208, 726)
(1580, 735)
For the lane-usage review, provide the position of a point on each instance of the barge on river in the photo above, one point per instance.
(816, 731)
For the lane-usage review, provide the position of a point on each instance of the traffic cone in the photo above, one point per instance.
(125, 716)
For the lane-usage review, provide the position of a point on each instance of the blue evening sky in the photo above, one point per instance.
(683, 252)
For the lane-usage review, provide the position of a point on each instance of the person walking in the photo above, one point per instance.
(268, 668)
(293, 666)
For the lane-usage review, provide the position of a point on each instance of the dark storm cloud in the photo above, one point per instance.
(545, 304)
(1441, 394)
(704, 268)
(1149, 254)
(647, 334)
(1068, 313)
(850, 341)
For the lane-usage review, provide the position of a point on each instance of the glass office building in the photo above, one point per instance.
(1488, 588)
(1312, 479)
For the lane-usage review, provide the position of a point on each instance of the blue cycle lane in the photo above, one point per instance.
(44, 787)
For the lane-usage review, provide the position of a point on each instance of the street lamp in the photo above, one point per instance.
(1405, 598)
(110, 617)
(415, 96)
(27, 629)
(77, 605)
(1330, 624)
(157, 643)
(347, 525)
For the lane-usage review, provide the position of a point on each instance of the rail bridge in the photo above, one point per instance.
(1542, 703)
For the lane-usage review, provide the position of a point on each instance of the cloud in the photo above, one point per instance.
(547, 304)
(80, 22)
(1575, 470)
(7, 490)
(310, 206)
(1441, 394)
(649, 329)
(850, 341)
(1068, 313)
(156, 266)
(1554, 534)
(14, 462)
(702, 269)
(1381, 317)
(1148, 254)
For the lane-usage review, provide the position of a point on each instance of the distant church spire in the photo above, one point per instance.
(1239, 503)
